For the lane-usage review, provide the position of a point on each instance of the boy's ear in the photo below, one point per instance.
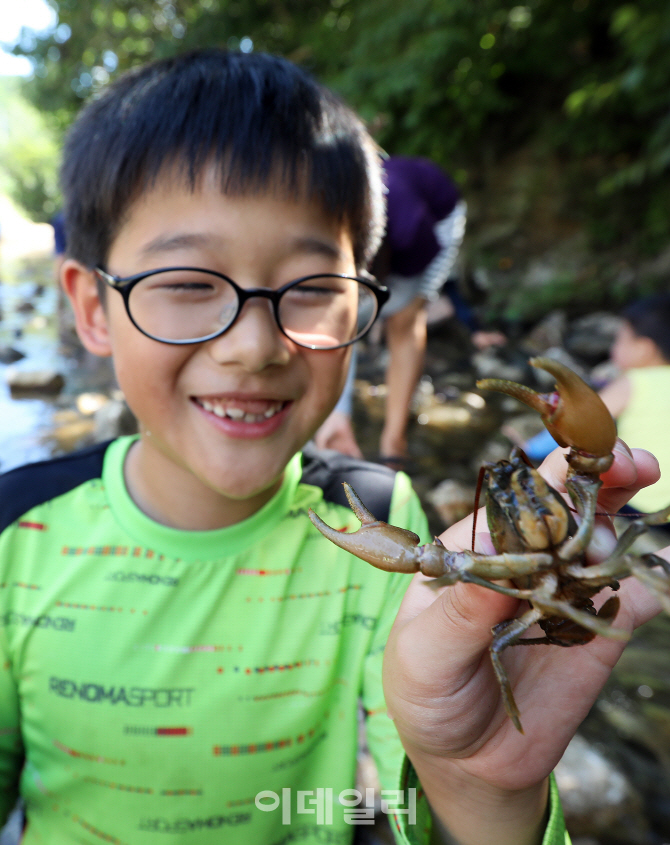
(81, 289)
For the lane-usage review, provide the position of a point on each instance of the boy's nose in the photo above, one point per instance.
(254, 341)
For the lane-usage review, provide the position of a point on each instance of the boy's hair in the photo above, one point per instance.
(263, 122)
(650, 317)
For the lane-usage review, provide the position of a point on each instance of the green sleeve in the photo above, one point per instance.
(11, 747)
(419, 832)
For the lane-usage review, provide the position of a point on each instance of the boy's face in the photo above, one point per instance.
(221, 419)
(631, 350)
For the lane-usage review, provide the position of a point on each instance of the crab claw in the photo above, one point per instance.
(573, 414)
(384, 546)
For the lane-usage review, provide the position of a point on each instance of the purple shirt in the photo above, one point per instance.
(420, 194)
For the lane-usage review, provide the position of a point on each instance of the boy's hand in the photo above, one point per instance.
(486, 781)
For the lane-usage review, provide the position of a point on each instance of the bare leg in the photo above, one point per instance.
(406, 339)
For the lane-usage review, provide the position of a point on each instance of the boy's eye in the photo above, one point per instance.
(318, 288)
(172, 280)
(186, 286)
(183, 285)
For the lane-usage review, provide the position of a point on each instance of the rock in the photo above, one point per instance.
(70, 431)
(598, 800)
(469, 412)
(452, 500)
(34, 382)
(590, 338)
(494, 450)
(89, 403)
(114, 419)
(8, 355)
(545, 380)
(630, 722)
(488, 363)
(547, 333)
(521, 427)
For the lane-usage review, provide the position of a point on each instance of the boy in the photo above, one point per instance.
(183, 640)
(182, 652)
(639, 399)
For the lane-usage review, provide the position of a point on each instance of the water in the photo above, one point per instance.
(29, 325)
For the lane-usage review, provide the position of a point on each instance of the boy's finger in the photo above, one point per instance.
(631, 471)
(452, 621)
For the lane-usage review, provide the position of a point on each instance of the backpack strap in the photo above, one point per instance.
(27, 486)
(328, 469)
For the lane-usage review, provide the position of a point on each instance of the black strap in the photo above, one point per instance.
(27, 486)
(327, 469)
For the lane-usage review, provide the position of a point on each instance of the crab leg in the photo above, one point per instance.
(603, 574)
(583, 491)
(504, 635)
(397, 550)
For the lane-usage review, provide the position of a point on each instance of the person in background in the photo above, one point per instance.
(425, 227)
(639, 399)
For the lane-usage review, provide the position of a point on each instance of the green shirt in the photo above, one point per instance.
(643, 423)
(191, 687)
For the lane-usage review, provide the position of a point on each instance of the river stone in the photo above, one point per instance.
(547, 333)
(41, 382)
(489, 363)
(545, 380)
(114, 419)
(453, 500)
(8, 355)
(598, 800)
(591, 337)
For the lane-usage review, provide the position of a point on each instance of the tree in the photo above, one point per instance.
(28, 154)
(459, 81)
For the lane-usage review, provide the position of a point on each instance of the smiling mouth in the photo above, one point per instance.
(249, 412)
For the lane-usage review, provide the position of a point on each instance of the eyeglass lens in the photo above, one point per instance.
(320, 312)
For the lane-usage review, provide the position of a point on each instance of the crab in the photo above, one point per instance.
(540, 545)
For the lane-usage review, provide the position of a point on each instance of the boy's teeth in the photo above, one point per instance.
(235, 413)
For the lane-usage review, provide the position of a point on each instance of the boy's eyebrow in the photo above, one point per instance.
(165, 243)
(306, 244)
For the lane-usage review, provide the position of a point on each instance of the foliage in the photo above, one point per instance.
(459, 81)
(28, 154)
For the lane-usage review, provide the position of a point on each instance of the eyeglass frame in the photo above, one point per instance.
(124, 286)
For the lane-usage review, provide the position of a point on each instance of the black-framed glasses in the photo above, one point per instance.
(181, 305)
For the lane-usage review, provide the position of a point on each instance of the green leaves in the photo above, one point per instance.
(460, 81)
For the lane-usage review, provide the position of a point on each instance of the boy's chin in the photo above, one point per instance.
(249, 489)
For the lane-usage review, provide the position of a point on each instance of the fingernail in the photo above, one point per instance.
(622, 448)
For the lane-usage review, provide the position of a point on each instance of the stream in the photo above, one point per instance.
(33, 332)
